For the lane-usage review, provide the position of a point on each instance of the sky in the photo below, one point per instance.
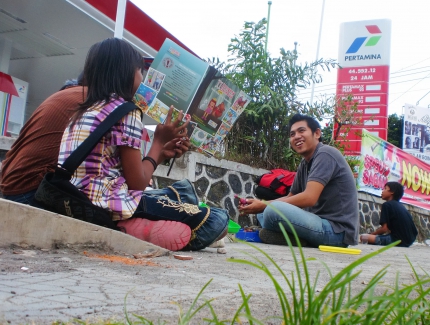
(206, 27)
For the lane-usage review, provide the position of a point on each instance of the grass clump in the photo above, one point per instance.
(336, 303)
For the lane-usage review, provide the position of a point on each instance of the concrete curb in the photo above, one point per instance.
(21, 224)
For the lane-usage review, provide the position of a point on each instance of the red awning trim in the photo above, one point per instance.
(7, 85)
(138, 23)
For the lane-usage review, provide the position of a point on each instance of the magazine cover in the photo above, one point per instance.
(198, 137)
(221, 98)
(211, 144)
(144, 97)
(176, 75)
(158, 111)
(212, 102)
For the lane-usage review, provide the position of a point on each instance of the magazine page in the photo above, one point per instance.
(215, 111)
(177, 77)
(174, 76)
(222, 102)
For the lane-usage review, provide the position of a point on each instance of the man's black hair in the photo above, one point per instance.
(74, 82)
(310, 121)
(80, 80)
(397, 190)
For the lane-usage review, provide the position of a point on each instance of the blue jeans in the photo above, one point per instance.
(308, 226)
(180, 203)
(383, 240)
(25, 198)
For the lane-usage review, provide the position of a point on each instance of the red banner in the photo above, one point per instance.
(382, 162)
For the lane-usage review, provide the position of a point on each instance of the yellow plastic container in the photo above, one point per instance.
(340, 250)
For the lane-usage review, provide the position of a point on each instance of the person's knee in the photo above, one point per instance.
(377, 241)
(383, 240)
(279, 210)
(222, 235)
(260, 218)
(270, 219)
(274, 210)
(273, 215)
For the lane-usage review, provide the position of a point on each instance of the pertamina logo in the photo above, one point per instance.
(367, 41)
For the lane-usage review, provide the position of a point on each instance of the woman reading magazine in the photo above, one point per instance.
(114, 176)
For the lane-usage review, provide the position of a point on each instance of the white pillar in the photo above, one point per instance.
(5, 52)
(318, 48)
(120, 17)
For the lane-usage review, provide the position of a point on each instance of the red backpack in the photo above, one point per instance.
(274, 184)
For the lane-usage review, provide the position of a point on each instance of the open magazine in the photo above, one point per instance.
(177, 77)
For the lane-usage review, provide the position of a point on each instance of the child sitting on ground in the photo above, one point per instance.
(396, 222)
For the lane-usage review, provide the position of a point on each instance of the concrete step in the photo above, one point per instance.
(24, 225)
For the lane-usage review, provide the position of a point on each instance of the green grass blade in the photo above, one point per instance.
(184, 319)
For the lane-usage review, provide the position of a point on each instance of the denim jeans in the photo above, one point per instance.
(308, 226)
(180, 203)
(383, 240)
(25, 198)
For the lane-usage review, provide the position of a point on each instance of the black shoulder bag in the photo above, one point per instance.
(56, 194)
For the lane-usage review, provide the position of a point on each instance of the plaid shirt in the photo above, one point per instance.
(100, 176)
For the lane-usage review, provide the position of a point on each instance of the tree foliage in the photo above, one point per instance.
(395, 130)
(395, 127)
(259, 137)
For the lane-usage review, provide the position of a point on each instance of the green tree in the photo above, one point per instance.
(259, 137)
(395, 127)
(327, 131)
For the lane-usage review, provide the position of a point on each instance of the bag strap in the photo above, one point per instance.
(280, 177)
(276, 182)
(84, 149)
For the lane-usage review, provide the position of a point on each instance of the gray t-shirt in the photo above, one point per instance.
(338, 202)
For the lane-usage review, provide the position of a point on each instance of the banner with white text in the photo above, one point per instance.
(416, 132)
(382, 162)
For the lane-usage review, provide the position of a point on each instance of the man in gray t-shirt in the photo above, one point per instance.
(322, 205)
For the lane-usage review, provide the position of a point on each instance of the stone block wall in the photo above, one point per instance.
(218, 181)
(370, 209)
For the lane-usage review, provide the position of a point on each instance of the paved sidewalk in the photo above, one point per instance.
(61, 284)
(73, 280)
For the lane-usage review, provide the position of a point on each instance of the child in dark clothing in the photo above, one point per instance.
(396, 222)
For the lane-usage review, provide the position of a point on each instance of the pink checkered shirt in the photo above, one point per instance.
(100, 176)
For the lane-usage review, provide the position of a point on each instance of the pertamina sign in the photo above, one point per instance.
(365, 43)
(364, 55)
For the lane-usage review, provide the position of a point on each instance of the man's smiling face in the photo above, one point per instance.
(302, 140)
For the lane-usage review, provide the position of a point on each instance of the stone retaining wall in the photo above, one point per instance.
(217, 181)
(370, 209)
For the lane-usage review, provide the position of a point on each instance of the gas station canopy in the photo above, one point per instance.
(45, 42)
